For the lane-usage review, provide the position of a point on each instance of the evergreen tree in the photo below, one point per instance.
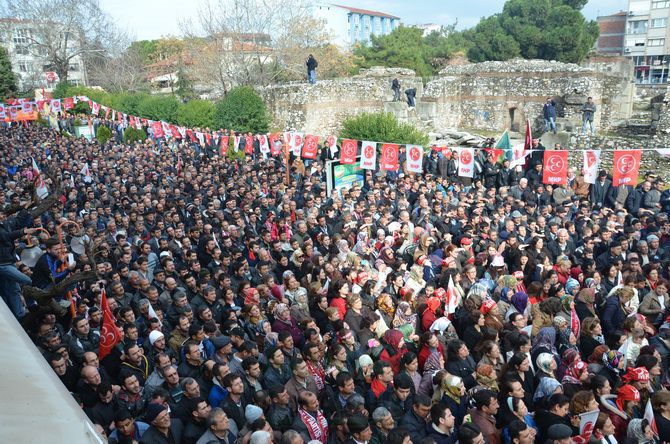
(7, 77)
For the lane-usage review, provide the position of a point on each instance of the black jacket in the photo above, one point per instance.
(153, 436)
(10, 230)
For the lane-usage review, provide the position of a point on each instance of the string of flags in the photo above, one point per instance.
(372, 155)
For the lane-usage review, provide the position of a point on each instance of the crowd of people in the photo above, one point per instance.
(255, 308)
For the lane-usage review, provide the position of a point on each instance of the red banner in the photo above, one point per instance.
(157, 127)
(275, 144)
(349, 151)
(389, 157)
(626, 167)
(249, 148)
(310, 147)
(175, 132)
(555, 167)
(223, 145)
(68, 103)
(109, 333)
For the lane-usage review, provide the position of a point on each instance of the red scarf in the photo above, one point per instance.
(317, 427)
(378, 387)
(316, 370)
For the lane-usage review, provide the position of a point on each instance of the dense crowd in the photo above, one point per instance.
(255, 308)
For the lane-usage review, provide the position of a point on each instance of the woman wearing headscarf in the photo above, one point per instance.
(518, 304)
(385, 307)
(434, 363)
(640, 431)
(491, 314)
(570, 356)
(613, 363)
(285, 322)
(544, 342)
(453, 396)
(363, 247)
(566, 338)
(265, 337)
(300, 309)
(621, 408)
(393, 344)
(575, 376)
(546, 367)
(546, 388)
(343, 249)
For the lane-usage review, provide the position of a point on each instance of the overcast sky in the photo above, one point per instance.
(151, 19)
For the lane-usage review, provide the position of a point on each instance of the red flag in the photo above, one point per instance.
(110, 335)
(528, 141)
(223, 145)
(494, 154)
(349, 151)
(555, 167)
(191, 136)
(158, 129)
(208, 139)
(310, 147)
(68, 103)
(389, 157)
(249, 147)
(626, 167)
(178, 164)
(175, 132)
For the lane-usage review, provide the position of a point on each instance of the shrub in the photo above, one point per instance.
(158, 108)
(103, 134)
(78, 122)
(381, 127)
(242, 110)
(131, 135)
(196, 114)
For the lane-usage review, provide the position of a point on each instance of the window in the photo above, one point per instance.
(659, 22)
(660, 4)
(637, 27)
(21, 36)
(21, 50)
(655, 42)
(23, 67)
(74, 67)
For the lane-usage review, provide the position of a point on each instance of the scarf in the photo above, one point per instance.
(316, 370)
(317, 427)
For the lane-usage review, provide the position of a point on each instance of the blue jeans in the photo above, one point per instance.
(311, 76)
(589, 123)
(550, 123)
(11, 280)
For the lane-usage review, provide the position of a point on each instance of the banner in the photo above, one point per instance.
(415, 158)
(626, 167)
(166, 129)
(587, 423)
(55, 106)
(236, 143)
(3, 112)
(157, 129)
(263, 143)
(249, 147)
(349, 151)
(223, 145)
(296, 143)
(331, 144)
(389, 157)
(310, 147)
(369, 155)
(555, 167)
(591, 165)
(275, 144)
(466, 162)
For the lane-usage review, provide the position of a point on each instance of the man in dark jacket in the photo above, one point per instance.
(549, 114)
(613, 313)
(398, 401)
(415, 420)
(441, 425)
(11, 278)
(162, 430)
(311, 69)
(599, 190)
(49, 268)
(395, 86)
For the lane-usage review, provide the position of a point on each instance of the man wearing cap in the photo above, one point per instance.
(360, 429)
(50, 269)
(559, 434)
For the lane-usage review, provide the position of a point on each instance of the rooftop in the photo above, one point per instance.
(367, 12)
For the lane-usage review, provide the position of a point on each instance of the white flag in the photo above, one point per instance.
(42, 190)
(86, 172)
(236, 145)
(591, 164)
(466, 162)
(453, 300)
(369, 155)
(264, 145)
(55, 106)
(297, 140)
(665, 152)
(519, 155)
(414, 158)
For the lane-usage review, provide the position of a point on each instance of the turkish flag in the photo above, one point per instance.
(310, 147)
(349, 151)
(466, 162)
(369, 155)
(223, 145)
(452, 300)
(208, 139)
(191, 136)
(389, 157)
(175, 132)
(68, 103)
(626, 167)
(591, 165)
(263, 143)
(555, 167)
(110, 335)
(415, 158)
(157, 127)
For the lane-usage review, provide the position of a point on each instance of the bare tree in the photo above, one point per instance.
(59, 31)
(122, 73)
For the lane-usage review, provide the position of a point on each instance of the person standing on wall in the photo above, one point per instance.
(588, 112)
(311, 69)
(395, 86)
(549, 113)
(411, 94)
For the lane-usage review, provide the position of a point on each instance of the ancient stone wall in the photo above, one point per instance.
(322, 107)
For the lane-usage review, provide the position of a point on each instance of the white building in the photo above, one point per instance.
(349, 26)
(28, 62)
(647, 39)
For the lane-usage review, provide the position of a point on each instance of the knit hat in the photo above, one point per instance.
(155, 336)
(252, 413)
(365, 360)
(153, 410)
(487, 306)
